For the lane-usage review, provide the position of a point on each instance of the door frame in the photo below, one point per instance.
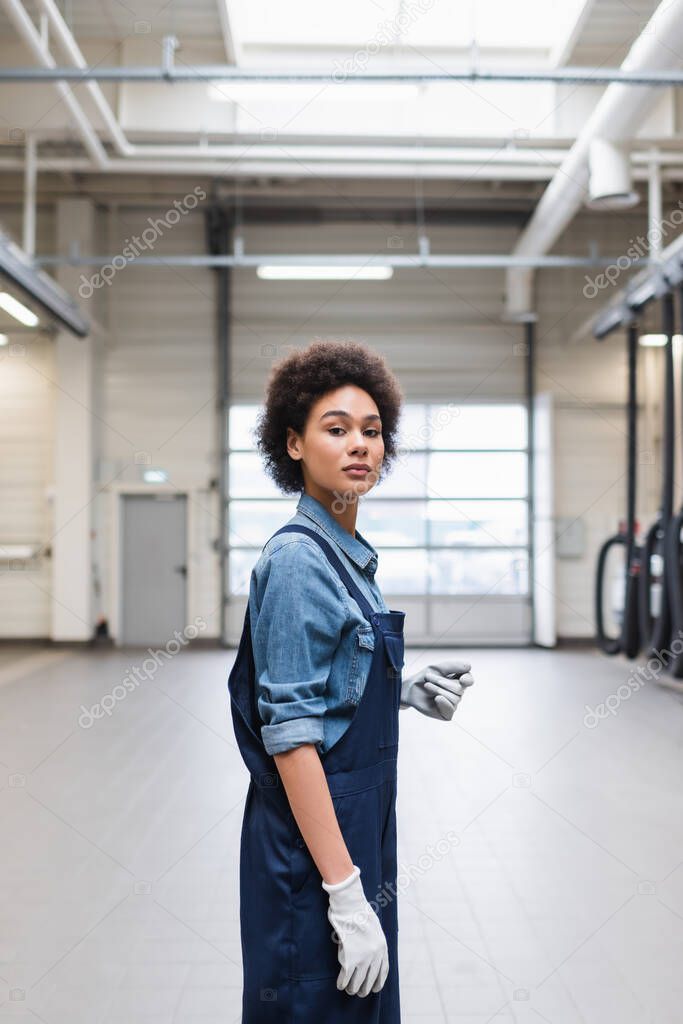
(118, 493)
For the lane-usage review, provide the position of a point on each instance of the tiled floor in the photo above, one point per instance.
(541, 847)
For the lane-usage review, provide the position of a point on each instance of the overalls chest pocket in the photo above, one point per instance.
(361, 658)
(394, 647)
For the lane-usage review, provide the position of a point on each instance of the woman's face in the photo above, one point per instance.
(343, 429)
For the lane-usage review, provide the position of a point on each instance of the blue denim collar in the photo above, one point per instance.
(357, 548)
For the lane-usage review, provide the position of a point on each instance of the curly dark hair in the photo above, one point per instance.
(300, 379)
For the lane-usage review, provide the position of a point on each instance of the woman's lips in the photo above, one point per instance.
(357, 472)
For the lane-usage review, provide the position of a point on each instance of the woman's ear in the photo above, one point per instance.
(293, 443)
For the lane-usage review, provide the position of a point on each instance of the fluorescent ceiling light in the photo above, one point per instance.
(17, 309)
(4, 340)
(289, 272)
(20, 551)
(155, 476)
(658, 340)
(40, 288)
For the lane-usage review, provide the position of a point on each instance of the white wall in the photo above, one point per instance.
(158, 391)
(26, 416)
(27, 396)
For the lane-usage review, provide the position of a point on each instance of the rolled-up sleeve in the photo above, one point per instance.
(301, 614)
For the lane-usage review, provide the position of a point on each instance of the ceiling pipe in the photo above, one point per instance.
(31, 36)
(67, 41)
(654, 210)
(29, 219)
(343, 152)
(464, 261)
(610, 177)
(206, 162)
(297, 166)
(170, 72)
(616, 117)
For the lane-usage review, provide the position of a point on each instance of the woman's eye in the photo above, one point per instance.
(371, 430)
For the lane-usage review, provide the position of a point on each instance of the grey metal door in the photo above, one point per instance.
(154, 568)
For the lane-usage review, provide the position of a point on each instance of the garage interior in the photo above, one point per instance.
(491, 198)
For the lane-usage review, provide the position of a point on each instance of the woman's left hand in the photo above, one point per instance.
(436, 690)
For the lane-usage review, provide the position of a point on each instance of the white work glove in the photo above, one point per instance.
(436, 690)
(362, 952)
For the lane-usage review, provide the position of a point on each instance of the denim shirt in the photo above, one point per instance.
(312, 644)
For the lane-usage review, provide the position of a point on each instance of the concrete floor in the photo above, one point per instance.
(556, 893)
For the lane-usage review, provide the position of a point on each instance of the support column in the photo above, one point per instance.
(74, 451)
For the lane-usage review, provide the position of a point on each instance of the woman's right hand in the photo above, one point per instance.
(363, 952)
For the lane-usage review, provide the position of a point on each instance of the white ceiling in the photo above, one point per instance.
(118, 19)
(525, 24)
(422, 34)
(440, 23)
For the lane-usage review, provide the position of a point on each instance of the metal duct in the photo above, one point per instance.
(616, 117)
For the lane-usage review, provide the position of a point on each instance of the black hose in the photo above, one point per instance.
(609, 644)
(628, 640)
(630, 627)
(653, 603)
(673, 557)
(655, 622)
(675, 574)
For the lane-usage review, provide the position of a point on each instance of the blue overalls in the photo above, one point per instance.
(289, 952)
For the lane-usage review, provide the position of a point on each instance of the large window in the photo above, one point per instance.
(451, 517)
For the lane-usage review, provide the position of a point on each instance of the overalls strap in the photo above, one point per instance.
(334, 559)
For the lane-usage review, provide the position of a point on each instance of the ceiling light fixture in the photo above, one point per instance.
(290, 272)
(657, 340)
(18, 310)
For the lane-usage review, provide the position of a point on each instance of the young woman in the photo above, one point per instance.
(316, 690)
